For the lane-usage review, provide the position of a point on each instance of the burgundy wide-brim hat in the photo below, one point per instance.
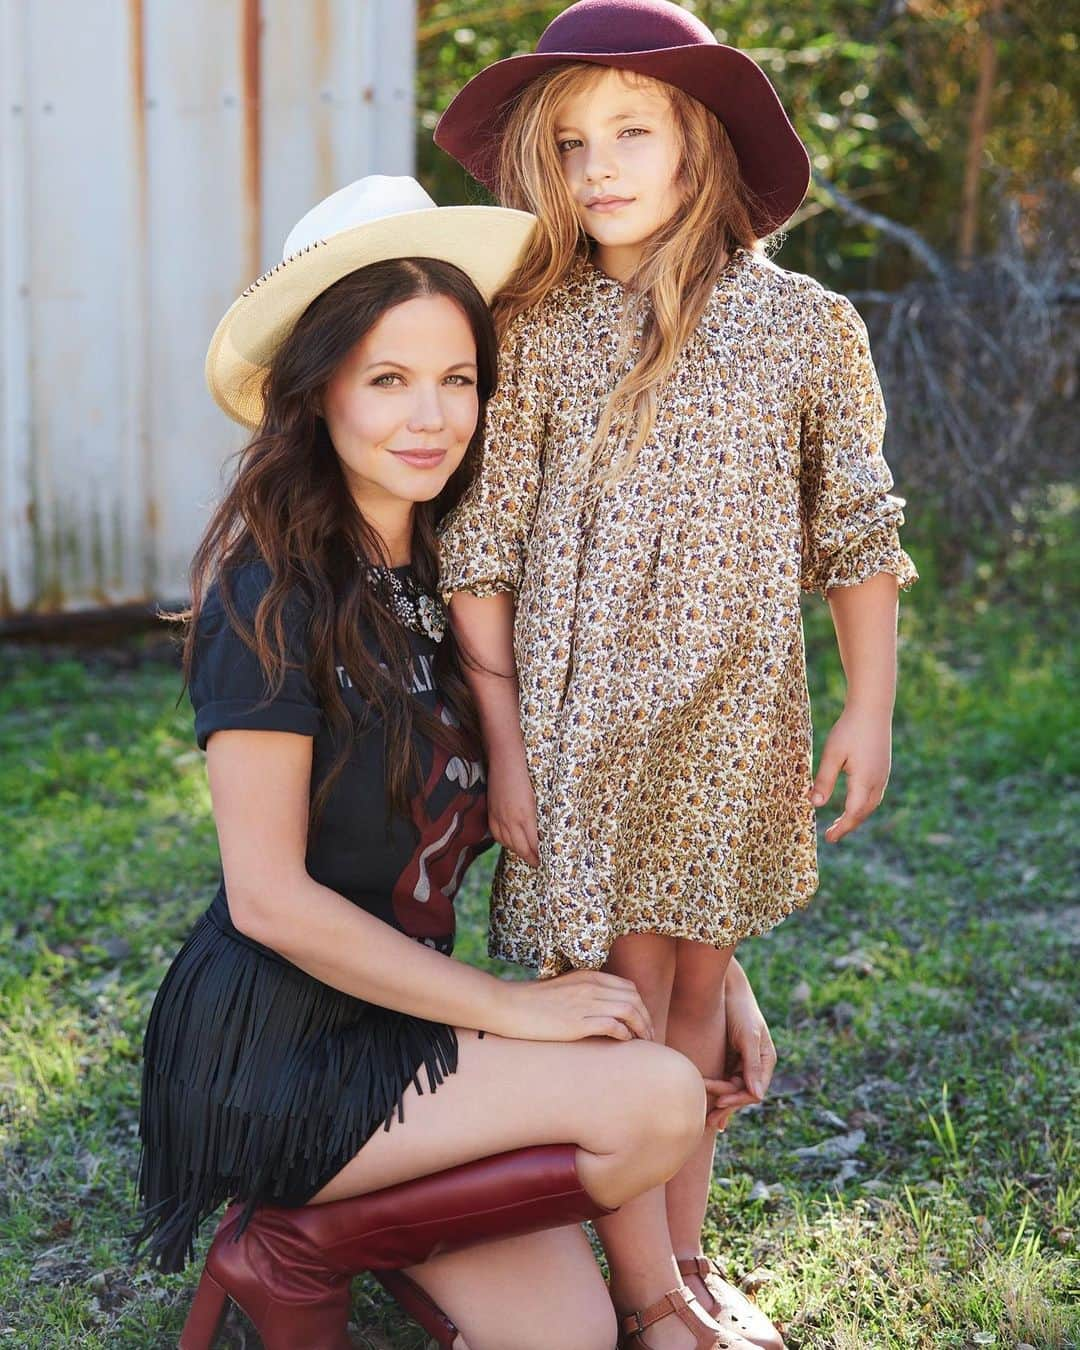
(656, 38)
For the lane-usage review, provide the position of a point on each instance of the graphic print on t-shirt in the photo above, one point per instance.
(450, 813)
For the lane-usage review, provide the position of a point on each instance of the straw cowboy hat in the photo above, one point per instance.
(666, 42)
(370, 221)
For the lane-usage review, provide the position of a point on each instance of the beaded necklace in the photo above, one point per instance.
(411, 606)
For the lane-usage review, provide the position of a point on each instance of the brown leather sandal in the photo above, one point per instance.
(679, 1303)
(733, 1308)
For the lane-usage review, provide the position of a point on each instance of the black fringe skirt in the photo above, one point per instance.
(260, 1083)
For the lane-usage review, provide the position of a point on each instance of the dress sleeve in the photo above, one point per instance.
(484, 540)
(229, 689)
(850, 519)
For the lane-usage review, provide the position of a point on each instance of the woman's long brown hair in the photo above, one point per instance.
(289, 506)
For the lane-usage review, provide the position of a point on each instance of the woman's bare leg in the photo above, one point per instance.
(534, 1293)
(599, 1094)
(696, 1028)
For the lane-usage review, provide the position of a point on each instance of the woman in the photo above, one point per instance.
(313, 1052)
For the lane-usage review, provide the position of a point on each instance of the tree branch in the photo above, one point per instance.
(913, 242)
(979, 126)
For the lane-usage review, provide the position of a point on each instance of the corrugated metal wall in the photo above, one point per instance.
(153, 156)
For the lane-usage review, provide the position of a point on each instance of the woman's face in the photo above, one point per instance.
(402, 407)
(620, 150)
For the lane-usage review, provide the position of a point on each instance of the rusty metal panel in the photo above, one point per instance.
(204, 218)
(152, 158)
(338, 81)
(16, 489)
(72, 210)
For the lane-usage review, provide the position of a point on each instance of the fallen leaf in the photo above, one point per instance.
(841, 1014)
(842, 1146)
(756, 1279)
(857, 961)
(790, 1084)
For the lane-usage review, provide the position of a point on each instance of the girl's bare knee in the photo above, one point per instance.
(698, 989)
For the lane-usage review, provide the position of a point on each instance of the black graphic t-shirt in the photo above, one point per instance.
(404, 871)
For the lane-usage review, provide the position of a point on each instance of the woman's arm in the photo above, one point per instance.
(484, 628)
(750, 1055)
(860, 744)
(259, 784)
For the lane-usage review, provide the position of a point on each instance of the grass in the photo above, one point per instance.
(924, 1006)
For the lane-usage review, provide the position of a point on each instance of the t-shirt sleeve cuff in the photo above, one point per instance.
(242, 715)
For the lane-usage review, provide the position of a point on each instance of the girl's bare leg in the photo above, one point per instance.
(696, 1028)
(637, 1240)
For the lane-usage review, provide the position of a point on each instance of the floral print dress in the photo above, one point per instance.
(658, 633)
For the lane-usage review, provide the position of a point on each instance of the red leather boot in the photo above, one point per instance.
(290, 1269)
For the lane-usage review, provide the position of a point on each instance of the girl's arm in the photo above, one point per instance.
(860, 744)
(260, 784)
(483, 548)
(484, 628)
(851, 549)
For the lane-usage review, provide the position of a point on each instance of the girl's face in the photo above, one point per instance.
(402, 407)
(620, 150)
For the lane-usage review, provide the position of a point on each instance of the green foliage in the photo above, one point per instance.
(927, 998)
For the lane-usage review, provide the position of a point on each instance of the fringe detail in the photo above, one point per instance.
(261, 1082)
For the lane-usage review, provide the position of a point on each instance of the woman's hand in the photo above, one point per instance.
(571, 1008)
(860, 745)
(751, 1055)
(512, 802)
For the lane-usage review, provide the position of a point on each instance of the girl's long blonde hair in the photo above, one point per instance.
(681, 263)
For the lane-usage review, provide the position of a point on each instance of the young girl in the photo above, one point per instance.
(314, 1053)
(685, 435)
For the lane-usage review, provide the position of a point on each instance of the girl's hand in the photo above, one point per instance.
(860, 744)
(571, 1008)
(750, 1057)
(512, 802)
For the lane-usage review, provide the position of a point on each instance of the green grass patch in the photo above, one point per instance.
(911, 1180)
